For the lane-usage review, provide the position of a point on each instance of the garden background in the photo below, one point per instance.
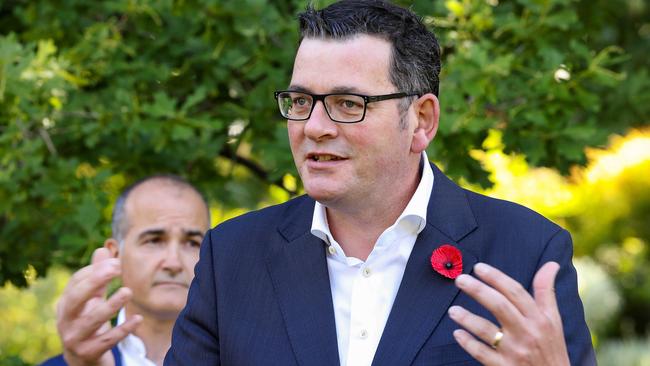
(544, 102)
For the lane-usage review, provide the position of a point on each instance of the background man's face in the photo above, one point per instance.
(370, 155)
(161, 247)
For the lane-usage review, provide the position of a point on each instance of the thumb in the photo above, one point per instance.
(544, 289)
(101, 258)
(100, 254)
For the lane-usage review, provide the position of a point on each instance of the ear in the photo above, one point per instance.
(427, 111)
(113, 246)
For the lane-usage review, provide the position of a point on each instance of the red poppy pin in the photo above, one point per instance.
(447, 260)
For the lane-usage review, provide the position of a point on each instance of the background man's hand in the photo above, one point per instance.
(531, 327)
(83, 313)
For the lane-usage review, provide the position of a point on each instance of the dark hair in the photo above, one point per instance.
(415, 62)
(119, 222)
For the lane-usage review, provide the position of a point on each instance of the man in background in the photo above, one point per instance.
(158, 224)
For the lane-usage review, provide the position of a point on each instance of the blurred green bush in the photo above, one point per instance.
(95, 94)
(28, 328)
(606, 207)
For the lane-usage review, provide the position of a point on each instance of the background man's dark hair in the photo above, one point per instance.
(119, 222)
(415, 61)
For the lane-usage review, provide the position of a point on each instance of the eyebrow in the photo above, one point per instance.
(335, 90)
(160, 232)
(193, 232)
(151, 232)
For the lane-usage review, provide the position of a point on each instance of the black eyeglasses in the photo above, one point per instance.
(342, 108)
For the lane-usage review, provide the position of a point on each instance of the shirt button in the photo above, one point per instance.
(367, 272)
(363, 334)
(331, 249)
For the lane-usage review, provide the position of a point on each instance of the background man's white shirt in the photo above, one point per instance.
(363, 292)
(132, 348)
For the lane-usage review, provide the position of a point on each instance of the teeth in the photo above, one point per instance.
(325, 157)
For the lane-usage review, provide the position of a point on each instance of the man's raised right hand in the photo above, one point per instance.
(84, 313)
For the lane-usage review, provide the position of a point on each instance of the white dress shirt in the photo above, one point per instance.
(363, 292)
(132, 347)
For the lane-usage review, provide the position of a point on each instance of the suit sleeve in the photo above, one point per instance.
(195, 338)
(578, 339)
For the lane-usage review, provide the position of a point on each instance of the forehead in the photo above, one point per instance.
(360, 63)
(164, 206)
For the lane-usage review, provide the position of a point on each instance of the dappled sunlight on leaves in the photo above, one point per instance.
(605, 205)
(28, 327)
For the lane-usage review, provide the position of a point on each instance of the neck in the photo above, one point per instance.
(155, 333)
(357, 227)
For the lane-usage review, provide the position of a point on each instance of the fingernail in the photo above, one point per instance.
(462, 280)
(481, 268)
(454, 311)
(125, 293)
(457, 335)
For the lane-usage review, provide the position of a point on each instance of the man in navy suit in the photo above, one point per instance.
(359, 271)
(158, 225)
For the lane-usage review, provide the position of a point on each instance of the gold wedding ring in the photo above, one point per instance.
(497, 339)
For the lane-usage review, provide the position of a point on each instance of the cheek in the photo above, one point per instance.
(294, 140)
(134, 280)
(136, 272)
(189, 260)
(384, 151)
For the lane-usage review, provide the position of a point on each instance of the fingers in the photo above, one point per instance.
(505, 312)
(508, 287)
(88, 282)
(92, 350)
(481, 327)
(100, 254)
(481, 352)
(544, 288)
(532, 326)
(83, 314)
(102, 312)
(89, 336)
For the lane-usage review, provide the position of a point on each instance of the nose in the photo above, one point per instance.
(172, 259)
(320, 126)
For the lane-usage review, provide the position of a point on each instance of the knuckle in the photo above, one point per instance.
(480, 355)
(517, 291)
(485, 331)
(86, 353)
(501, 307)
(520, 355)
(90, 320)
(108, 339)
(541, 330)
(69, 341)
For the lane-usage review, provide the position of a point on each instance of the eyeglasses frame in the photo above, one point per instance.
(321, 97)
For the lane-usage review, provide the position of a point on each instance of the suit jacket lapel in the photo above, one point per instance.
(424, 296)
(298, 270)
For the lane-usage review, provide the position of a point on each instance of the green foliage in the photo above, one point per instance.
(539, 71)
(628, 352)
(28, 331)
(606, 206)
(94, 95)
(599, 294)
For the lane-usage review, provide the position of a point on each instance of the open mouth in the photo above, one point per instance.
(323, 157)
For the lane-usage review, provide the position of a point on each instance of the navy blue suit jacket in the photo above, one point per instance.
(261, 295)
(59, 361)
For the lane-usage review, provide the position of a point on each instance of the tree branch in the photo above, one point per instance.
(254, 168)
